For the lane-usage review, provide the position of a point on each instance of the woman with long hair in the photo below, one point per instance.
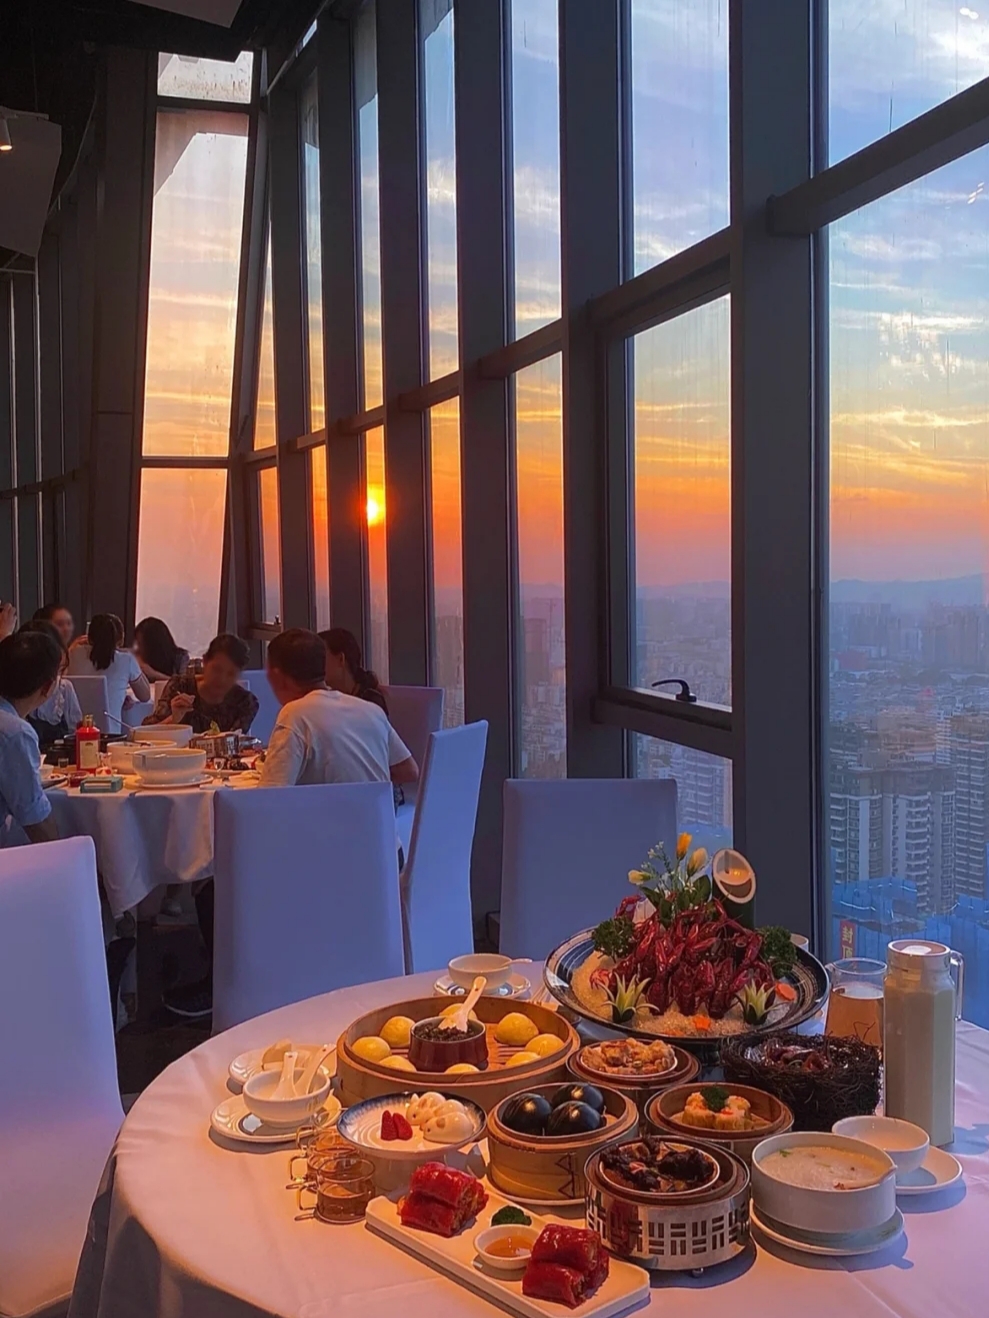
(157, 653)
(213, 696)
(102, 655)
(60, 714)
(345, 669)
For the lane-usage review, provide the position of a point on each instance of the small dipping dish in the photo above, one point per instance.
(515, 1241)
(430, 1048)
(904, 1142)
(495, 969)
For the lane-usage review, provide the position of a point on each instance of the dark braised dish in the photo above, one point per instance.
(655, 1166)
(432, 1031)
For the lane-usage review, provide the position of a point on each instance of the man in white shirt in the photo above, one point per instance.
(323, 736)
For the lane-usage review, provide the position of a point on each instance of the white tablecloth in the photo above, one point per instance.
(185, 1228)
(143, 838)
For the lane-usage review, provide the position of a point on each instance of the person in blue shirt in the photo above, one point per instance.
(29, 667)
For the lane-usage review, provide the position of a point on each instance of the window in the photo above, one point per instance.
(679, 91)
(271, 552)
(889, 63)
(541, 647)
(448, 565)
(436, 29)
(682, 522)
(180, 546)
(536, 162)
(377, 549)
(704, 785)
(313, 252)
(366, 90)
(321, 534)
(265, 432)
(206, 79)
(908, 770)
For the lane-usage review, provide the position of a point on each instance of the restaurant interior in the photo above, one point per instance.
(494, 658)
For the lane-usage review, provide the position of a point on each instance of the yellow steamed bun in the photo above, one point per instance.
(397, 1031)
(516, 1030)
(372, 1048)
(397, 1063)
(522, 1059)
(544, 1044)
(460, 1068)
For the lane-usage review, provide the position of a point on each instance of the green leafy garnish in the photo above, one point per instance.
(777, 949)
(715, 1096)
(511, 1216)
(784, 1153)
(614, 937)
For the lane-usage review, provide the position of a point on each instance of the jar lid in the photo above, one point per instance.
(918, 954)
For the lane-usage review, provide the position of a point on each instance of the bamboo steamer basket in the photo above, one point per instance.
(638, 1088)
(662, 1108)
(358, 1080)
(550, 1168)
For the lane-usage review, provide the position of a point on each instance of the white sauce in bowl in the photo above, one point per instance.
(823, 1167)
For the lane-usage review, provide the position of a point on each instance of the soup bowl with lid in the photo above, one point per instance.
(851, 1186)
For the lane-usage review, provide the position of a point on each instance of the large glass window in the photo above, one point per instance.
(909, 627)
(377, 548)
(313, 252)
(889, 62)
(206, 79)
(180, 546)
(536, 161)
(448, 565)
(366, 90)
(321, 535)
(265, 432)
(679, 125)
(541, 652)
(682, 519)
(704, 802)
(271, 548)
(436, 34)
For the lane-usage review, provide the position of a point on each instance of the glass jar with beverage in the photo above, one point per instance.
(855, 1007)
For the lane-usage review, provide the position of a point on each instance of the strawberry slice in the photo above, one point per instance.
(388, 1129)
(403, 1131)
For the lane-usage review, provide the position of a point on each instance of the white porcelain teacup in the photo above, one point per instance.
(495, 969)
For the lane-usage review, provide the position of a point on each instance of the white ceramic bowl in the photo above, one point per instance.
(495, 969)
(47, 771)
(122, 754)
(284, 1111)
(164, 766)
(484, 1239)
(176, 734)
(905, 1143)
(832, 1211)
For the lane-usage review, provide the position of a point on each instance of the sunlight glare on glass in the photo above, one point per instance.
(375, 507)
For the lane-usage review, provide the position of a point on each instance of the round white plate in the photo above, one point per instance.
(515, 986)
(139, 785)
(361, 1125)
(232, 1120)
(938, 1170)
(56, 780)
(843, 1244)
(246, 1064)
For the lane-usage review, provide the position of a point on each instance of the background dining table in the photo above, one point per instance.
(186, 1224)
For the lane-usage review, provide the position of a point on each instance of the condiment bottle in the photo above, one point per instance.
(919, 1035)
(87, 745)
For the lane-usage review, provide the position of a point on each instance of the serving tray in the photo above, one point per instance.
(627, 1286)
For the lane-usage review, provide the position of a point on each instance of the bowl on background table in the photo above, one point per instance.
(173, 734)
(169, 766)
(904, 1142)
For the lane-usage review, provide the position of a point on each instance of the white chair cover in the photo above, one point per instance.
(59, 1104)
(415, 712)
(436, 907)
(256, 681)
(568, 848)
(93, 699)
(135, 712)
(307, 895)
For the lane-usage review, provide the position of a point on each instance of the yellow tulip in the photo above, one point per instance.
(638, 877)
(683, 845)
(697, 861)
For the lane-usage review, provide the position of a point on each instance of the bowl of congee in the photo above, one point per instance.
(823, 1183)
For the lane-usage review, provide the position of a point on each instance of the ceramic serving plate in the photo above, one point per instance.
(361, 1125)
(516, 986)
(938, 1170)
(842, 1244)
(244, 1065)
(232, 1121)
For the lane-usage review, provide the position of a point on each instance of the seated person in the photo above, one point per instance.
(60, 715)
(160, 658)
(8, 620)
(212, 696)
(101, 656)
(345, 669)
(324, 736)
(60, 618)
(29, 664)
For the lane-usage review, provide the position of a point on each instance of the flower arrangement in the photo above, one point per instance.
(676, 885)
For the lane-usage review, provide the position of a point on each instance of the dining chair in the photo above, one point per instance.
(414, 712)
(307, 895)
(59, 1103)
(568, 846)
(269, 706)
(93, 699)
(135, 712)
(436, 908)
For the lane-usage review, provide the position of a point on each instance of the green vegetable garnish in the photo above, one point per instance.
(511, 1216)
(716, 1096)
(777, 949)
(784, 1153)
(614, 937)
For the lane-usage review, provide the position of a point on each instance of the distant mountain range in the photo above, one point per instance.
(912, 595)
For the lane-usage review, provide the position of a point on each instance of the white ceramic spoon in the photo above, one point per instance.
(286, 1081)
(312, 1066)
(459, 1019)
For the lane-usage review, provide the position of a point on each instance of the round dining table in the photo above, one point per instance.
(186, 1225)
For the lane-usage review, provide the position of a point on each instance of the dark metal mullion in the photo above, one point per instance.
(713, 737)
(203, 103)
(592, 262)
(520, 353)
(486, 449)
(174, 461)
(660, 281)
(341, 326)
(440, 390)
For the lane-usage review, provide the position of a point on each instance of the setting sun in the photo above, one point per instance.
(375, 507)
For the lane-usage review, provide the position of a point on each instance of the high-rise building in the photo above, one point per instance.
(970, 761)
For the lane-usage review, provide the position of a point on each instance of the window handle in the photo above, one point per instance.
(685, 694)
